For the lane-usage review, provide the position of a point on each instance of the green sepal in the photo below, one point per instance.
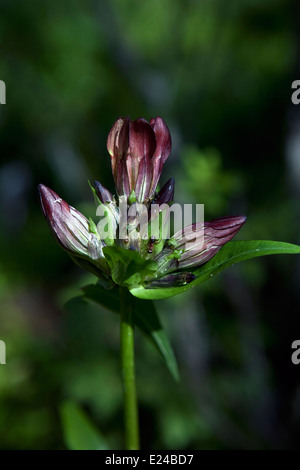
(132, 198)
(128, 268)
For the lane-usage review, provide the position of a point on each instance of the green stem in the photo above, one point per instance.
(128, 371)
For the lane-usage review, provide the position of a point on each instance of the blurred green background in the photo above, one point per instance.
(220, 75)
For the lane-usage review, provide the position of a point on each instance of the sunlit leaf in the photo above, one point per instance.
(231, 253)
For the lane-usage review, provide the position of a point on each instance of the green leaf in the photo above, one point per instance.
(145, 317)
(128, 268)
(147, 320)
(231, 253)
(109, 299)
(79, 432)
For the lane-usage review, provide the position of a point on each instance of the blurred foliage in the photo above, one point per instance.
(219, 73)
(207, 181)
(79, 432)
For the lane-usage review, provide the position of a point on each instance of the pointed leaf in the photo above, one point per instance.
(231, 253)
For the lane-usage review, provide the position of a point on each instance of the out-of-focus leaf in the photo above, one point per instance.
(231, 253)
(145, 317)
(79, 432)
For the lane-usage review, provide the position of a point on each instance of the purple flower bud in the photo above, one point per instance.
(166, 194)
(117, 146)
(200, 242)
(163, 148)
(103, 194)
(172, 280)
(70, 227)
(138, 150)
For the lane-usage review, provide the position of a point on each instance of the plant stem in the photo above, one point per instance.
(128, 371)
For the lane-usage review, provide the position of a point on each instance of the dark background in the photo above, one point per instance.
(220, 75)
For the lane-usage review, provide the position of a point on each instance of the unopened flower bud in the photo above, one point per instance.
(103, 194)
(138, 150)
(166, 194)
(199, 243)
(70, 228)
(171, 280)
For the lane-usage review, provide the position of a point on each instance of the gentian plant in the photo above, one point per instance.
(132, 251)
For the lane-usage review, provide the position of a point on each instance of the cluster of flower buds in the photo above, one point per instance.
(138, 151)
